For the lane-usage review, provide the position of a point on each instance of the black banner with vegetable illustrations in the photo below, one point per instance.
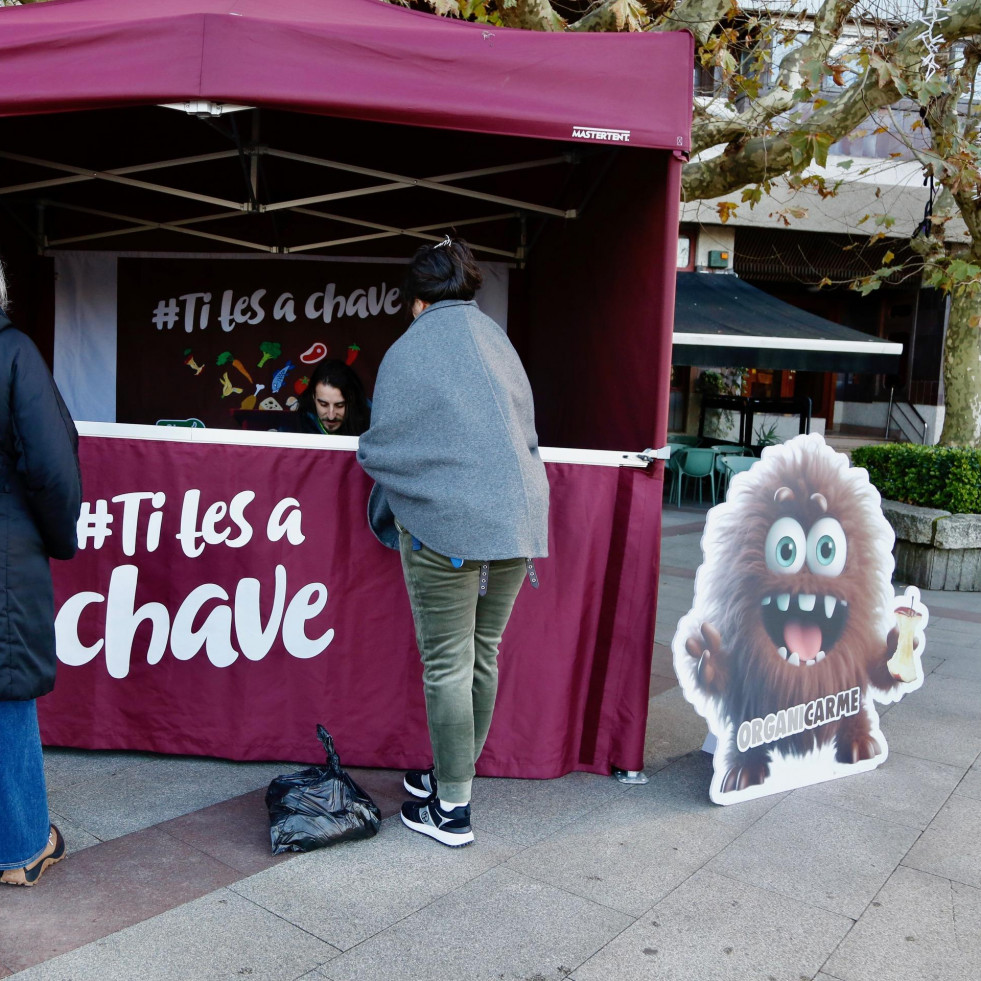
(198, 340)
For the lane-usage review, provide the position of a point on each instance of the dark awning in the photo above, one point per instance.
(721, 321)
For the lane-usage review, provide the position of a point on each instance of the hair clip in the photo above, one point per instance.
(446, 241)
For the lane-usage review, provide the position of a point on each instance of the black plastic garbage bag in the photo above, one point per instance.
(319, 806)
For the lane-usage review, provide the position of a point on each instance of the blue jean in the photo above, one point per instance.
(23, 797)
(458, 632)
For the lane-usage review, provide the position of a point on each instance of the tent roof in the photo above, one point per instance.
(722, 321)
(363, 59)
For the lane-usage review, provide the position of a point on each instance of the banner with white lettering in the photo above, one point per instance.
(199, 340)
(795, 630)
(227, 598)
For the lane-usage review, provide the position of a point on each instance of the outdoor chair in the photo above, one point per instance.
(697, 463)
(732, 464)
(672, 470)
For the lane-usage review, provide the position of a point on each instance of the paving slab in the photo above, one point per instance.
(965, 665)
(674, 729)
(71, 767)
(951, 846)
(76, 838)
(627, 854)
(970, 786)
(526, 811)
(909, 790)
(219, 935)
(919, 927)
(951, 622)
(824, 855)
(234, 832)
(963, 605)
(712, 927)
(350, 892)
(684, 784)
(940, 722)
(158, 790)
(502, 926)
(102, 890)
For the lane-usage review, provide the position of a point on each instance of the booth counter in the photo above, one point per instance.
(228, 596)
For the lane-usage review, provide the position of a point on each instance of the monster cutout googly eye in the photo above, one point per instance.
(826, 548)
(786, 546)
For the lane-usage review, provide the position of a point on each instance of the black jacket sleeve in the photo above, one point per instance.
(46, 448)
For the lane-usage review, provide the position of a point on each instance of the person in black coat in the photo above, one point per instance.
(40, 497)
(334, 402)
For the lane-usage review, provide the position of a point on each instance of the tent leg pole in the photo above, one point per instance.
(39, 233)
(630, 776)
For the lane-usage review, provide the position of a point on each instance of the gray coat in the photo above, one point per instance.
(40, 495)
(452, 445)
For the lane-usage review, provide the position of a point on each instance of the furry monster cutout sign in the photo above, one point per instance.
(795, 630)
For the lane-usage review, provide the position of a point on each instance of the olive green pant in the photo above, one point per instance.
(458, 632)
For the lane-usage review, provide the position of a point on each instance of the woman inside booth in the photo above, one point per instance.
(334, 403)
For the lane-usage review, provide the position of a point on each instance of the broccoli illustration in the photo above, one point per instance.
(270, 350)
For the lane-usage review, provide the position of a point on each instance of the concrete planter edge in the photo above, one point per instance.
(935, 549)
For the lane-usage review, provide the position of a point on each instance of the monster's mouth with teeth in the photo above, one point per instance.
(804, 627)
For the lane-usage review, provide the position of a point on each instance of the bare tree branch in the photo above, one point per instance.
(699, 17)
(613, 15)
(532, 15)
(764, 156)
(959, 176)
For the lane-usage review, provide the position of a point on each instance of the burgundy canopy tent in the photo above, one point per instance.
(356, 129)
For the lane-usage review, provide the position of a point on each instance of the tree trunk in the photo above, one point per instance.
(962, 371)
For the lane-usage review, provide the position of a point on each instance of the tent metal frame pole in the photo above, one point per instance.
(106, 175)
(391, 231)
(41, 236)
(254, 157)
(327, 243)
(399, 180)
(256, 246)
(134, 225)
(87, 175)
(140, 225)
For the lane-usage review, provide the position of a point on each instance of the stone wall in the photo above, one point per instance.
(936, 549)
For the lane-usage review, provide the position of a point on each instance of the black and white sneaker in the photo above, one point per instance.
(447, 827)
(420, 783)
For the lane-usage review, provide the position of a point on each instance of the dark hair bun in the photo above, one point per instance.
(445, 271)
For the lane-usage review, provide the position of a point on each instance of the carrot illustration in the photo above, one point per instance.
(227, 356)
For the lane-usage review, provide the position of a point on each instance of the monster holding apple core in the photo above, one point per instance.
(795, 629)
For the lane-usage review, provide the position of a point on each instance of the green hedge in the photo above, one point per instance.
(942, 477)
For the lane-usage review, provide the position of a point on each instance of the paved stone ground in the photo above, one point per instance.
(876, 876)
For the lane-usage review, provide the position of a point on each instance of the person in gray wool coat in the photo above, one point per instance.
(461, 491)
(40, 496)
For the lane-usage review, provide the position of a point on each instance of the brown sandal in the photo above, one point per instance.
(29, 874)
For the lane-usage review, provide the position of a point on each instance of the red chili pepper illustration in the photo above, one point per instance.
(352, 353)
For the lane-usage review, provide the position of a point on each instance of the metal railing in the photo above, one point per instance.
(908, 422)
